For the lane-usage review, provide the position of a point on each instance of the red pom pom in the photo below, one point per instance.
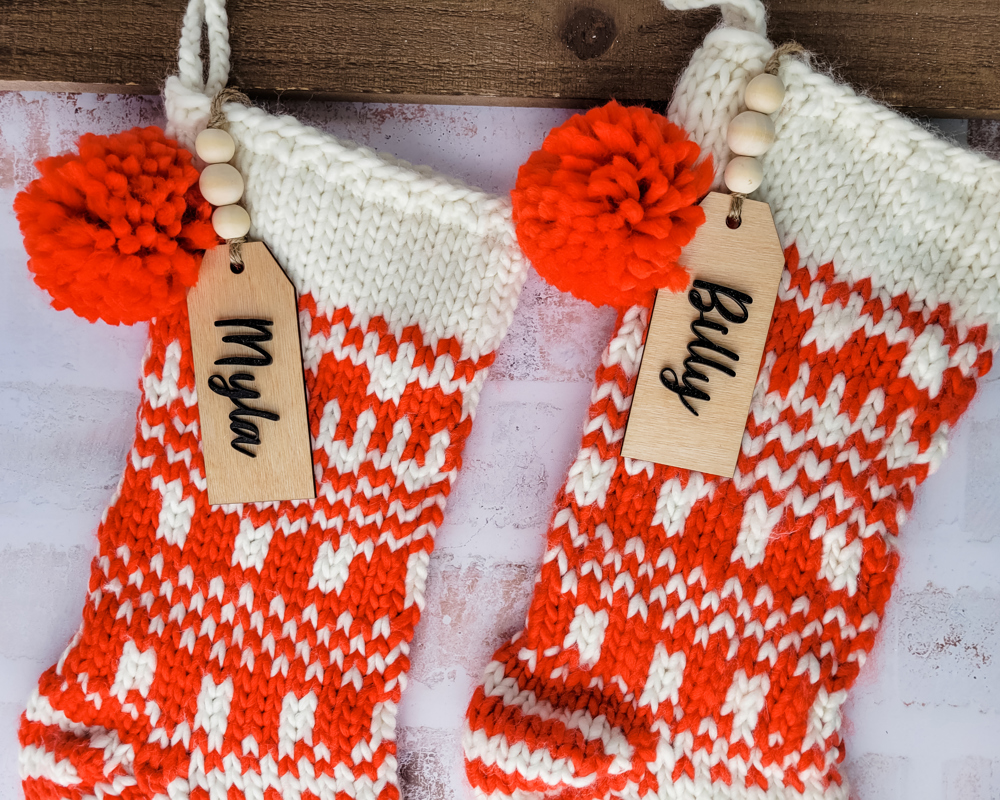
(604, 209)
(118, 231)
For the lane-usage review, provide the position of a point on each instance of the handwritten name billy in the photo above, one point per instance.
(701, 349)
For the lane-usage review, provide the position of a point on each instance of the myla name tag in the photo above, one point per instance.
(248, 372)
(704, 346)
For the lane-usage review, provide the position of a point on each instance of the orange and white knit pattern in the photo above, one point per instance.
(694, 638)
(259, 651)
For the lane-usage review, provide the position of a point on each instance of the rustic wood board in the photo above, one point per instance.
(918, 55)
(704, 433)
(281, 466)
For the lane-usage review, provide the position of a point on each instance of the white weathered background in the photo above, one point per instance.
(924, 720)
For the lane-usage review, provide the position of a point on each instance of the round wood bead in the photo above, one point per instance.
(750, 134)
(214, 146)
(231, 222)
(221, 184)
(764, 93)
(743, 174)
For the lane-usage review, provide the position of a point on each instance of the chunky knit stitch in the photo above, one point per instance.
(695, 637)
(260, 650)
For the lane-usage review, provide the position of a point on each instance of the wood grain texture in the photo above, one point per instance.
(282, 467)
(918, 55)
(660, 428)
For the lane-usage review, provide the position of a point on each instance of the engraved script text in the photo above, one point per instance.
(246, 432)
(701, 344)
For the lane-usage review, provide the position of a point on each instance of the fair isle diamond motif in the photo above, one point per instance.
(260, 649)
(694, 639)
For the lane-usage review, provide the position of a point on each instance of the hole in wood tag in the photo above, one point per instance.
(248, 373)
(704, 346)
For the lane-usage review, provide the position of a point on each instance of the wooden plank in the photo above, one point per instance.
(918, 55)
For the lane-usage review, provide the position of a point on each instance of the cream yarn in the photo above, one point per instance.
(852, 182)
(260, 650)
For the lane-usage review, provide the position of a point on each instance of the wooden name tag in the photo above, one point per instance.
(248, 372)
(704, 346)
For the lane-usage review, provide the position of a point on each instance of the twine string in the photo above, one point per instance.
(236, 253)
(217, 119)
(735, 216)
(782, 50)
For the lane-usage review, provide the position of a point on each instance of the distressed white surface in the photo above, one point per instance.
(924, 720)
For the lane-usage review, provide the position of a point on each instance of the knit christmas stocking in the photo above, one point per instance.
(695, 637)
(260, 650)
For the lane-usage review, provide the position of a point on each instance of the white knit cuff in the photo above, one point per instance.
(353, 228)
(852, 182)
(357, 229)
(362, 230)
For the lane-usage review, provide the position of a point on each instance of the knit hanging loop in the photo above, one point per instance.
(210, 14)
(748, 15)
(188, 95)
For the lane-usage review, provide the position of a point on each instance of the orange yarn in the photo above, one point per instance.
(692, 636)
(116, 232)
(223, 623)
(605, 207)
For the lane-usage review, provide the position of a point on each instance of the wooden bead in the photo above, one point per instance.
(764, 93)
(231, 222)
(221, 184)
(743, 174)
(214, 146)
(750, 134)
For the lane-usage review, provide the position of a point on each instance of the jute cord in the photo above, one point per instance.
(217, 119)
(735, 216)
(782, 50)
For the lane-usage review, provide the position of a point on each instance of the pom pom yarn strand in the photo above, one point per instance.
(116, 232)
(605, 207)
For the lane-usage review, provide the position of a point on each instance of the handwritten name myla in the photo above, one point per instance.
(701, 344)
(247, 432)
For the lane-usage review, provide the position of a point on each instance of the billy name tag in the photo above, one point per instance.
(704, 346)
(248, 373)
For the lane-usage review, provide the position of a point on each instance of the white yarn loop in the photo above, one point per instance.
(188, 95)
(748, 15)
(209, 14)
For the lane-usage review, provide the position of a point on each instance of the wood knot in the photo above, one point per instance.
(589, 32)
